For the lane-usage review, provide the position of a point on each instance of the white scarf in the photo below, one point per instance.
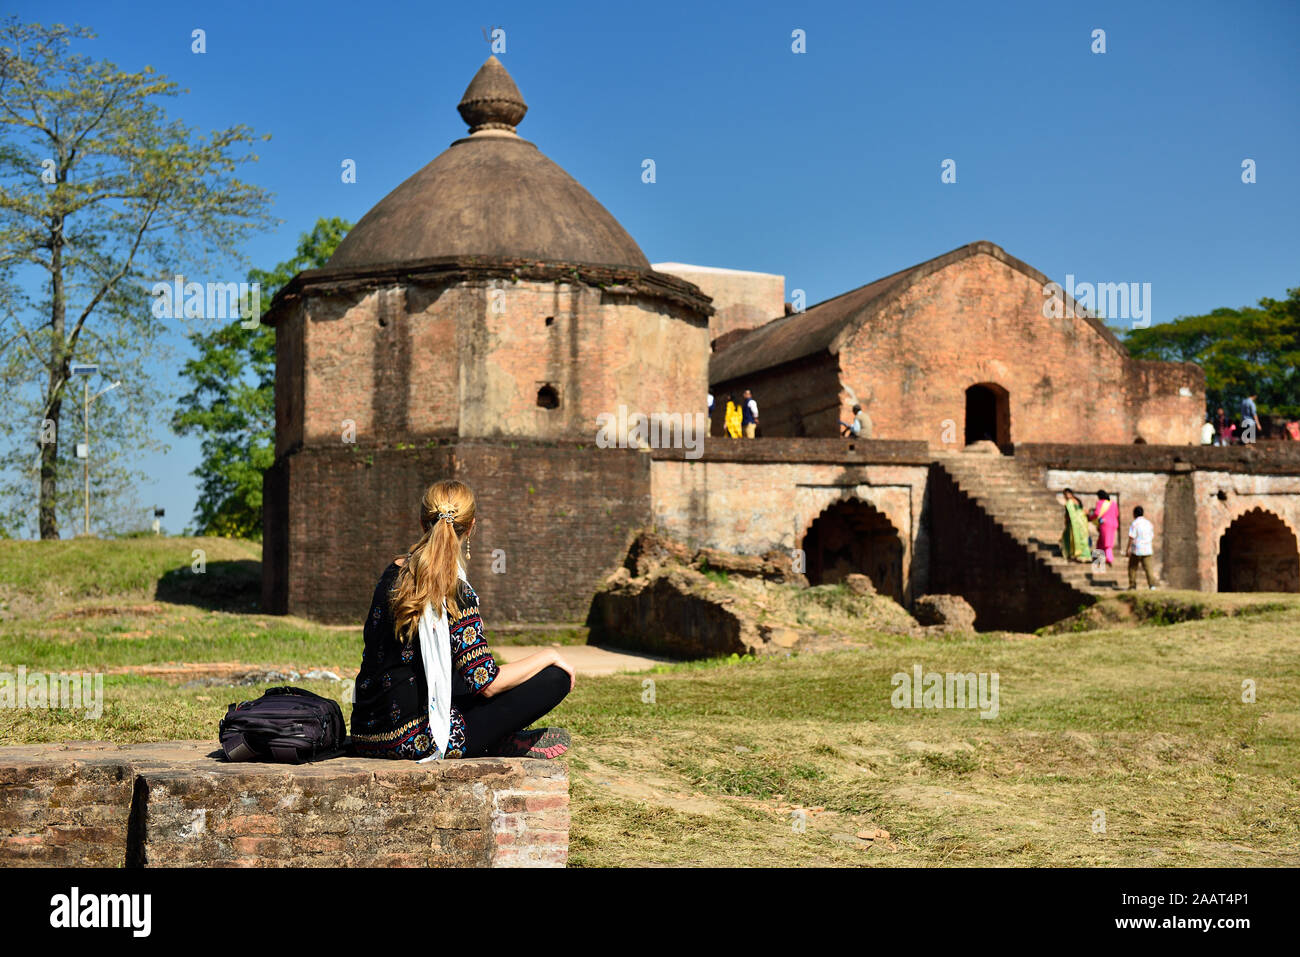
(435, 652)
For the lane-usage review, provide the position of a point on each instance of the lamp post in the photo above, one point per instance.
(86, 370)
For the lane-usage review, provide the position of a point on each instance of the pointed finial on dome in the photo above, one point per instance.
(492, 101)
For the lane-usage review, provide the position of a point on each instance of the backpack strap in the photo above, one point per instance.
(284, 753)
(237, 748)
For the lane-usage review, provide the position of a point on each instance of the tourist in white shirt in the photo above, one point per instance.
(1207, 433)
(749, 415)
(1141, 536)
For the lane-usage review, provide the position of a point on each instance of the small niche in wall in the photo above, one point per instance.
(550, 320)
(548, 397)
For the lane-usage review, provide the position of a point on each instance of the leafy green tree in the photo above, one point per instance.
(1248, 351)
(102, 195)
(232, 400)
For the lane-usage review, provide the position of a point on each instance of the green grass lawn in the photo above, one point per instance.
(778, 761)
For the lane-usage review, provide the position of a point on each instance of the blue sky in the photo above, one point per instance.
(822, 166)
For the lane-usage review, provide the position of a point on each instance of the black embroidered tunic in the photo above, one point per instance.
(391, 715)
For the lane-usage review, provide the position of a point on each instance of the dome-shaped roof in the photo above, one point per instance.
(490, 194)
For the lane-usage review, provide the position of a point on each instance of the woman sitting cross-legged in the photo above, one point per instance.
(429, 687)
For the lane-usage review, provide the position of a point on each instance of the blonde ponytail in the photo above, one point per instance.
(430, 574)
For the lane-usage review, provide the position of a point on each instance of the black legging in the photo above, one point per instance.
(488, 720)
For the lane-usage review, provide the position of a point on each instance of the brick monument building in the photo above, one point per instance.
(480, 320)
(961, 344)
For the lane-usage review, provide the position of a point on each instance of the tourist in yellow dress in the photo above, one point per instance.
(733, 416)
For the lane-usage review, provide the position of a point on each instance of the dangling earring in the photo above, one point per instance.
(467, 550)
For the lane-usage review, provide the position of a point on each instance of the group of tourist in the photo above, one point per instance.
(739, 419)
(1077, 541)
(1219, 429)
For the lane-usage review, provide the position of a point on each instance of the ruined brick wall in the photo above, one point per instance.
(1263, 458)
(55, 812)
(176, 804)
(980, 320)
(1223, 497)
(562, 517)
(1167, 400)
(414, 360)
(749, 497)
(741, 299)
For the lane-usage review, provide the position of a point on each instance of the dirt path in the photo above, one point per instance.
(587, 661)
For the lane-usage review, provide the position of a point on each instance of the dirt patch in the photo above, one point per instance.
(109, 611)
(227, 673)
(648, 788)
(932, 796)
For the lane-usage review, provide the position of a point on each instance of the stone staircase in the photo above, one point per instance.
(1021, 506)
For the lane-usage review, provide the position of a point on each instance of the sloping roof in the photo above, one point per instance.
(492, 195)
(825, 326)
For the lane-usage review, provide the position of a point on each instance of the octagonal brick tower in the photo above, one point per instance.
(488, 301)
(486, 277)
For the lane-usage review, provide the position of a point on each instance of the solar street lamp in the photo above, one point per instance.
(86, 370)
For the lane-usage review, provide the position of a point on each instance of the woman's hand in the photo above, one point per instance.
(563, 665)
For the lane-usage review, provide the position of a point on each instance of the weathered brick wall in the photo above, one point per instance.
(1264, 458)
(63, 808)
(92, 804)
(1277, 495)
(562, 516)
(1176, 541)
(290, 368)
(414, 360)
(275, 537)
(751, 507)
(741, 299)
(1166, 401)
(846, 451)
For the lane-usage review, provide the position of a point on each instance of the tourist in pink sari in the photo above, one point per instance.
(1106, 515)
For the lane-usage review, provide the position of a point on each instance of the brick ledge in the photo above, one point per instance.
(177, 803)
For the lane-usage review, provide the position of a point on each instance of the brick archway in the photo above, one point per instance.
(852, 536)
(988, 414)
(1257, 552)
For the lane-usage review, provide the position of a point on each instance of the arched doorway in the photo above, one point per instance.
(851, 536)
(1258, 553)
(988, 414)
